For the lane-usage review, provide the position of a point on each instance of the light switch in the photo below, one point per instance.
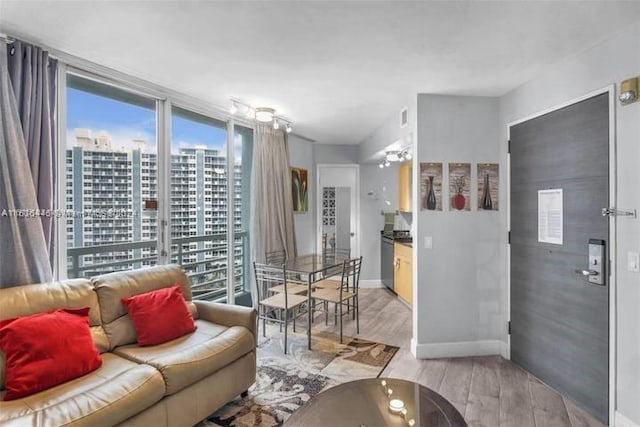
(428, 242)
(633, 262)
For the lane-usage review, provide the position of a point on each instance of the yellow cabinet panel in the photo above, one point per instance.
(404, 187)
(403, 272)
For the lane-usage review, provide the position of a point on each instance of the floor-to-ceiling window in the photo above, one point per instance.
(243, 152)
(115, 191)
(111, 171)
(199, 208)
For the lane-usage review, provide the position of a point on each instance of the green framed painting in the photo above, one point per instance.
(300, 189)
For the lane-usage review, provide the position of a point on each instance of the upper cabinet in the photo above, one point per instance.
(404, 187)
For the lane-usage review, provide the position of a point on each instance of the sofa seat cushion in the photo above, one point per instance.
(188, 359)
(119, 389)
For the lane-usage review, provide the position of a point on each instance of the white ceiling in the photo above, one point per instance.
(336, 69)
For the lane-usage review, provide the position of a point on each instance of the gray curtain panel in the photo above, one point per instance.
(33, 78)
(24, 257)
(272, 226)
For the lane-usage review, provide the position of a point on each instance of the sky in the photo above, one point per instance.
(125, 122)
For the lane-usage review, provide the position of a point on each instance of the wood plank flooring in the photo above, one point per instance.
(488, 391)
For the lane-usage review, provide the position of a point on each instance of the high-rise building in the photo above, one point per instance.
(108, 187)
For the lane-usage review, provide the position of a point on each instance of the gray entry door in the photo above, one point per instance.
(559, 319)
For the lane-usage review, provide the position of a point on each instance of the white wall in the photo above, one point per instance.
(608, 63)
(384, 184)
(301, 155)
(335, 153)
(457, 283)
(390, 132)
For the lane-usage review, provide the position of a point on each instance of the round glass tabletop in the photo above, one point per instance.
(377, 402)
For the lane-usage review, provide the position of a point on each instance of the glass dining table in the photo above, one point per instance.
(314, 267)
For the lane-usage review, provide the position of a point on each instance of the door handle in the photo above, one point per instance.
(587, 272)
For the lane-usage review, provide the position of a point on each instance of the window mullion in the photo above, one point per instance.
(164, 182)
(60, 247)
(231, 294)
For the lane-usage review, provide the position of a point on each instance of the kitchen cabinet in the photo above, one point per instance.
(403, 272)
(404, 187)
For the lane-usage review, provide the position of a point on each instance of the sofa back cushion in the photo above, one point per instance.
(21, 301)
(112, 287)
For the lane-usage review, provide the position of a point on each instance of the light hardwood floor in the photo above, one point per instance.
(488, 391)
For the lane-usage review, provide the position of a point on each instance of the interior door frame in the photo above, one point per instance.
(318, 219)
(611, 91)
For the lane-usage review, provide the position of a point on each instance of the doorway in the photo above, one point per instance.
(560, 250)
(338, 213)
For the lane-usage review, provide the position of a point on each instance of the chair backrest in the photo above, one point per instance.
(351, 273)
(332, 254)
(275, 257)
(268, 276)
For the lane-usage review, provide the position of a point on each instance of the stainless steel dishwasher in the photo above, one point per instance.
(386, 260)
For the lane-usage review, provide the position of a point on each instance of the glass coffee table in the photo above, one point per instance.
(377, 403)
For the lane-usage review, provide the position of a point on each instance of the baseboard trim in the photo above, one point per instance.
(504, 350)
(457, 349)
(622, 421)
(371, 283)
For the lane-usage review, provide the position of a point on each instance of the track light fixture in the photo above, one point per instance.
(260, 114)
(395, 156)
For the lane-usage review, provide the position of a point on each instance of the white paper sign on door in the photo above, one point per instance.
(550, 214)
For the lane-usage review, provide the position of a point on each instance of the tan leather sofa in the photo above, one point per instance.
(178, 383)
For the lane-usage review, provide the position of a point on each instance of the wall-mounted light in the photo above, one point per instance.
(288, 128)
(234, 108)
(629, 91)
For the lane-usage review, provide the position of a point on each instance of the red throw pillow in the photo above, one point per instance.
(46, 349)
(159, 316)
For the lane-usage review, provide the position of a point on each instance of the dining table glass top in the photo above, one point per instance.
(313, 263)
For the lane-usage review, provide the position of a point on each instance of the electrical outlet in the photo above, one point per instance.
(633, 262)
(428, 242)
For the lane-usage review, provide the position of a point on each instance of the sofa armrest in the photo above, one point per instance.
(228, 315)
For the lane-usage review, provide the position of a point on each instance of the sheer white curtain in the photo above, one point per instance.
(24, 256)
(272, 226)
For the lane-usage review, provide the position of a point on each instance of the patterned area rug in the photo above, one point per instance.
(286, 382)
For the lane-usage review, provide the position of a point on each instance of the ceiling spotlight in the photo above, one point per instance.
(407, 155)
(234, 108)
(381, 165)
(393, 156)
(251, 114)
(387, 163)
(264, 114)
(629, 91)
(276, 125)
(288, 128)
